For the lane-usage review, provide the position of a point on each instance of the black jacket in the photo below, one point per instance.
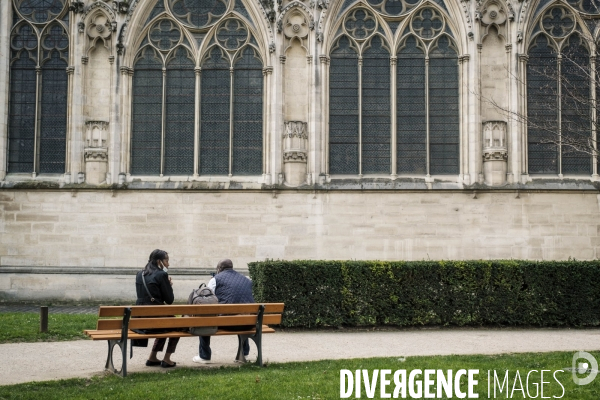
(158, 285)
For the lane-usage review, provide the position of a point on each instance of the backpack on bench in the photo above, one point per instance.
(203, 295)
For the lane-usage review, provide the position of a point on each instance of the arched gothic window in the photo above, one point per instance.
(38, 87)
(558, 96)
(197, 114)
(426, 93)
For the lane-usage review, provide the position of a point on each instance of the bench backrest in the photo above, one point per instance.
(146, 317)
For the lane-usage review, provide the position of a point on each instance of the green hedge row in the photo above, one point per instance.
(363, 293)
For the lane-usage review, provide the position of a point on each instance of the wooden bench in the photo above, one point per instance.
(115, 324)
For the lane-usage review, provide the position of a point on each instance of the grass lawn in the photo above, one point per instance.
(25, 327)
(311, 380)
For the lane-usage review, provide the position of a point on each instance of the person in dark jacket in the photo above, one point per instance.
(230, 287)
(158, 290)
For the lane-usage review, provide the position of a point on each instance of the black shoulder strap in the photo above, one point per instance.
(152, 299)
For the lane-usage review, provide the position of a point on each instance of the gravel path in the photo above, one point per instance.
(84, 358)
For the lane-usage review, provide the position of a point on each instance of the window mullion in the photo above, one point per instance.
(198, 72)
(559, 100)
(393, 105)
(230, 122)
(427, 112)
(164, 118)
(593, 114)
(38, 116)
(360, 116)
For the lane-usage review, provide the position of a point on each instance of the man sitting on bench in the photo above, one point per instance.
(231, 287)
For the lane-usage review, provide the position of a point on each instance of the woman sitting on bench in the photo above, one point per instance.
(154, 287)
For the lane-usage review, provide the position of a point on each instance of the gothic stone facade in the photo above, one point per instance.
(319, 129)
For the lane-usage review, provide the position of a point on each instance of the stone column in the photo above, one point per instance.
(5, 26)
(495, 153)
(295, 145)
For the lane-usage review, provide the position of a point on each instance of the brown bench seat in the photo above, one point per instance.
(116, 324)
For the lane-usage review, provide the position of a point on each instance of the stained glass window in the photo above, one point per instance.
(343, 109)
(443, 109)
(247, 114)
(411, 113)
(215, 114)
(575, 108)
(180, 111)
(21, 120)
(53, 124)
(376, 109)
(147, 114)
(37, 127)
(558, 97)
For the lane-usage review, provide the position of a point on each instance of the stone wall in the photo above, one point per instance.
(97, 231)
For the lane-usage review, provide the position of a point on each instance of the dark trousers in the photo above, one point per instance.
(159, 344)
(205, 352)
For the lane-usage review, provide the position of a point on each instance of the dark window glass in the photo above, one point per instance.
(215, 114)
(21, 120)
(247, 114)
(53, 122)
(180, 106)
(376, 109)
(411, 114)
(343, 109)
(147, 114)
(575, 121)
(542, 111)
(443, 110)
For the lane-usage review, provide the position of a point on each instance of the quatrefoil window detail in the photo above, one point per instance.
(24, 37)
(55, 38)
(40, 10)
(427, 23)
(198, 13)
(165, 35)
(558, 22)
(360, 24)
(232, 34)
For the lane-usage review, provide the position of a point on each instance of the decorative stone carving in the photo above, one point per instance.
(495, 153)
(492, 13)
(99, 23)
(76, 6)
(96, 151)
(295, 143)
(121, 6)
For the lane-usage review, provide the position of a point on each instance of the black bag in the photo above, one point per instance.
(203, 295)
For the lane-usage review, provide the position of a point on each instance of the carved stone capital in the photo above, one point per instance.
(268, 70)
(495, 155)
(393, 60)
(294, 156)
(70, 70)
(324, 59)
(96, 154)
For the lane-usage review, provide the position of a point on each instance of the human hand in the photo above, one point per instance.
(170, 281)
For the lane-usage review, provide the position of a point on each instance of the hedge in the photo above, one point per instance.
(417, 293)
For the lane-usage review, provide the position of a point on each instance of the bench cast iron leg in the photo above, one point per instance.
(122, 343)
(256, 338)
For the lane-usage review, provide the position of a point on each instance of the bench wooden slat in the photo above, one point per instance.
(187, 322)
(203, 309)
(115, 334)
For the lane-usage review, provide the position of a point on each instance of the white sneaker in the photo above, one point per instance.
(197, 359)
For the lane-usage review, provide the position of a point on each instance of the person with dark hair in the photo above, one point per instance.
(230, 287)
(154, 287)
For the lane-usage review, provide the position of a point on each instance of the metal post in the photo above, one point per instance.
(44, 319)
